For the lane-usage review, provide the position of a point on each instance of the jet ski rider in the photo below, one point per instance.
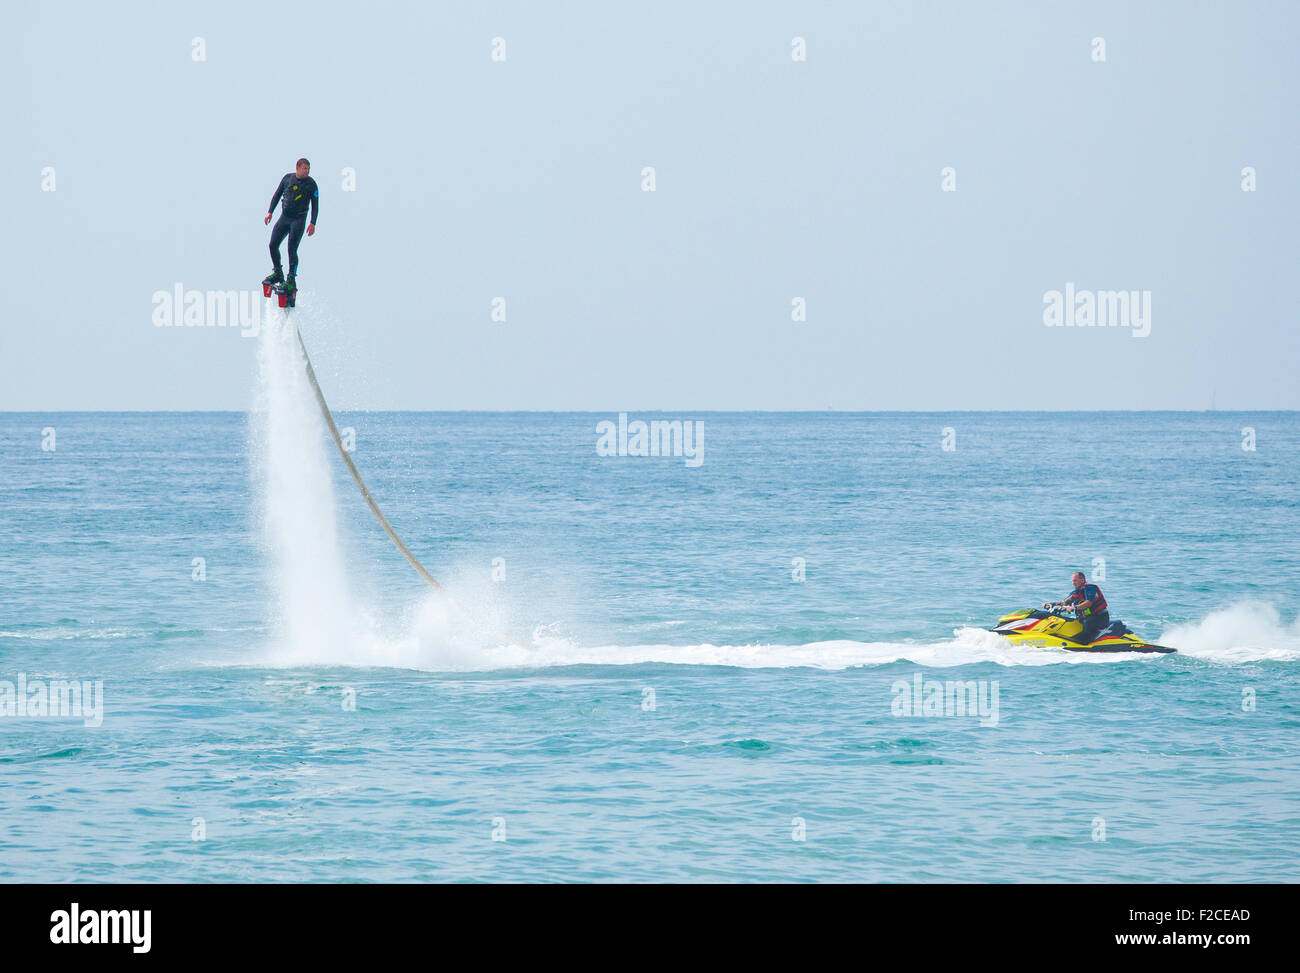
(1089, 607)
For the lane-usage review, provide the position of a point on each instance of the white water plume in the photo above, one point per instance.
(314, 616)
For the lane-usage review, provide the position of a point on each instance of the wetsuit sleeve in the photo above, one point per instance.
(279, 190)
(315, 202)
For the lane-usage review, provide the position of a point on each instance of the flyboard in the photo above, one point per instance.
(283, 297)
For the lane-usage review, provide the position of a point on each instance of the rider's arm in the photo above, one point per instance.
(315, 204)
(279, 190)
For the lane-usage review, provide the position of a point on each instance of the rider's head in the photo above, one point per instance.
(1078, 580)
(303, 167)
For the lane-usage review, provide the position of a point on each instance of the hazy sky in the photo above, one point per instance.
(776, 179)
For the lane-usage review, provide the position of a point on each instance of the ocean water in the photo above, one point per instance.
(652, 671)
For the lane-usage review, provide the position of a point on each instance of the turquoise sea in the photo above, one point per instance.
(671, 673)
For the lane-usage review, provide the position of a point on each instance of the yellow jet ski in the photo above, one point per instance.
(1056, 628)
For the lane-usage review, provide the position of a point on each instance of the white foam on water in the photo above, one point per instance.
(1245, 632)
(438, 639)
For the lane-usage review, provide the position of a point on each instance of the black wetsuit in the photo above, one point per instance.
(297, 194)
